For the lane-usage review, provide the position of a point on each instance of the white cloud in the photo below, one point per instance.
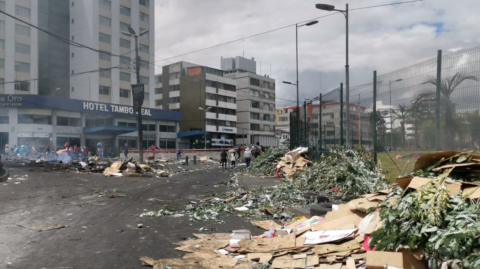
(383, 39)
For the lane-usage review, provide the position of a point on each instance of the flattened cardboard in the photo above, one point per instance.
(333, 248)
(269, 245)
(147, 261)
(351, 264)
(455, 165)
(338, 224)
(207, 245)
(289, 262)
(410, 261)
(305, 225)
(471, 192)
(380, 259)
(362, 204)
(429, 159)
(294, 224)
(259, 257)
(341, 212)
(321, 237)
(417, 182)
(266, 224)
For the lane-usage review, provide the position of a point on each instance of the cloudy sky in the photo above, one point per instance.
(382, 39)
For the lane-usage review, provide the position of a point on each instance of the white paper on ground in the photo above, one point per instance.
(325, 236)
(334, 207)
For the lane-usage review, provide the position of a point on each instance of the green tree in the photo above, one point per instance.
(402, 114)
(473, 120)
(447, 87)
(381, 130)
(419, 113)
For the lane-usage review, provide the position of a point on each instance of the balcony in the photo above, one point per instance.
(209, 102)
(221, 129)
(227, 105)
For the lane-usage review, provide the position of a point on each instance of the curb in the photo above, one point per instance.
(4, 174)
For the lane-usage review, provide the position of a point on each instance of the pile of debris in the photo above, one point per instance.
(265, 164)
(128, 168)
(333, 241)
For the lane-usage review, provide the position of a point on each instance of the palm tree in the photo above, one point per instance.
(419, 113)
(447, 87)
(402, 114)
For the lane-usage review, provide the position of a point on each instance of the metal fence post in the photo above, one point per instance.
(437, 104)
(305, 123)
(320, 123)
(375, 116)
(341, 114)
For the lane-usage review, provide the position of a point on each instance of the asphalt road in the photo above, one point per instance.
(101, 232)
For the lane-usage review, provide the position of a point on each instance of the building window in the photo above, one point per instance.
(266, 117)
(228, 87)
(22, 30)
(2, 43)
(266, 95)
(145, 3)
(69, 120)
(146, 96)
(22, 48)
(158, 79)
(105, 4)
(255, 104)
(22, 86)
(73, 21)
(124, 26)
(125, 11)
(266, 128)
(125, 60)
(328, 115)
(144, 48)
(158, 102)
(144, 64)
(73, 54)
(254, 116)
(106, 56)
(106, 73)
(22, 11)
(105, 21)
(167, 129)
(2, 25)
(124, 93)
(2, 64)
(22, 67)
(254, 93)
(255, 127)
(105, 38)
(282, 118)
(34, 119)
(211, 96)
(172, 100)
(125, 76)
(104, 90)
(158, 90)
(266, 85)
(254, 82)
(143, 17)
(147, 35)
(144, 80)
(212, 84)
(266, 106)
(124, 43)
(174, 88)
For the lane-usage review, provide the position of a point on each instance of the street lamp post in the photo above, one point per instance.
(347, 66)
(132, 33)
(205, 133)
(391, 119)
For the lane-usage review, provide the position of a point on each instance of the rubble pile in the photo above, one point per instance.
(128, 168)
(428, 220)
(265, 164)
(280, 161)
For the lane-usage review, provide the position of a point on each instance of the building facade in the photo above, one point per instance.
(255, 101)
(206, 99)
(52, 91)
(282, 125)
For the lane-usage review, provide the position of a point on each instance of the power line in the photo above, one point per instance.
(281, 28)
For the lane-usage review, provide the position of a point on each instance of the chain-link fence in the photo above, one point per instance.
(412, 113)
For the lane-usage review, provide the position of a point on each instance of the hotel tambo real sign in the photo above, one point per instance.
(138, 95)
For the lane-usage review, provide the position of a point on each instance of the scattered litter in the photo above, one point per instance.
(42, 226)
(140, 225)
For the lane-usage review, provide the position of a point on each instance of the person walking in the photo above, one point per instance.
(233, 158)
(223, 159)
(125, 151)
(239, 150)
(153, 151)
(100, 149)
(247, 154)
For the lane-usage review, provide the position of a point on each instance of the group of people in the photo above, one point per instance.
(25, 149)
(74, 150)
(249, 153)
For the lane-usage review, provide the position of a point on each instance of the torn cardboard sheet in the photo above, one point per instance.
(42, 226)
(259, 257)
(325, 236)
(362, 204)
(383, 259)
(266, 224)
(289, 262)
(342, 223)
(370, 223)
(207, 245)
(238, 235)
(332, 248)
(471, 192)
(269, 245)
(341, 211)
(417, 182)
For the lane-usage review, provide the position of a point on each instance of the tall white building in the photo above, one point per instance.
(98, 24)
(52, 91)
(255, 101)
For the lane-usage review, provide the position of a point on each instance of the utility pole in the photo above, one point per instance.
(437, 104)
(375, 116)
(320, 123)
(359, 123)
(341, 114)
(138, 105)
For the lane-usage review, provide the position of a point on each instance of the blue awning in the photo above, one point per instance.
(109, 130)
(191, 133)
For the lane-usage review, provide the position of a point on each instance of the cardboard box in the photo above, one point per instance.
(416, 182)
(401, 260)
